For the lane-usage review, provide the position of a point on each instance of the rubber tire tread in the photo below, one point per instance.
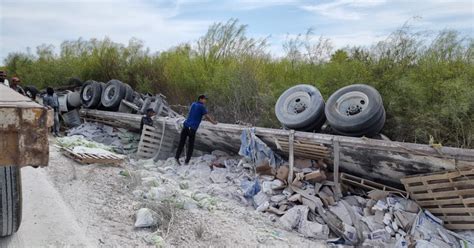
(129, 93)
(314, 113)
(121, 90)
(96, 94)
(370, 131)
(10, 200)
(354, 124)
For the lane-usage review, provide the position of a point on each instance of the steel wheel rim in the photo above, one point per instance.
(297, 103)
(352, 103)
(87, 93)
(109, 93)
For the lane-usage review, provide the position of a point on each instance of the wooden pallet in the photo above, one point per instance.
(305, 149)
(151, 140)
(448, 195)
(367, 184)
(88, 158)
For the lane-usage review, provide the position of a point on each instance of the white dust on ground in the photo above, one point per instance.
(206, 214)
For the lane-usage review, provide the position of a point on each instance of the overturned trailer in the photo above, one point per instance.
(379, 160)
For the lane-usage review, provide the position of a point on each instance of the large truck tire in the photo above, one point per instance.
(300, 107)
(113, 94)
(356, 110)
(129, 93)
(91, 93)
(11, 200)
(370, 131)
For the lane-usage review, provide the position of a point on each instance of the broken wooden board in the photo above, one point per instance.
(448, 195)
(367, 184)
(155, 142)
(304, 149)
(378, 160)
(89, 158)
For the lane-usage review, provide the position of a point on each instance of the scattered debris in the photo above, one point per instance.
(255, 150)
(308, 199)
(145, 218)
(117, 139)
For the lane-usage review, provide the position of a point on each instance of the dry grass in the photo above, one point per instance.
(199, 230)
(166, 211)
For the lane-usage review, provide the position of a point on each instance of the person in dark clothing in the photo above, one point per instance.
(191, 124)
(3, 78)
(50, 100)
(31, 92)
(147, 119)
(15, 85)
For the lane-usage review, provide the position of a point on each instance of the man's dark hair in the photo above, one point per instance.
(150, 110)
(50, 91)
(202, 97)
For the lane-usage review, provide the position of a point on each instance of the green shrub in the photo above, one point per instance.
(427, 84)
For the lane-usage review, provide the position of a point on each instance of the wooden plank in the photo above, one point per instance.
(305, 145)
(148, 149)
(437, 176)
(446, 210)
(144, 155)
(442, 194)
(465, 219)
(459, 226)
(291, 159)
(299, 153)
(296, 149)
(336, 170)
(432, 202)
(367, 184)
(465, 183)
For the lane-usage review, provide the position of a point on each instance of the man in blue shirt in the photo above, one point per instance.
(191, 124)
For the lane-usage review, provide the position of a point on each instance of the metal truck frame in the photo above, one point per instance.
(24, 126)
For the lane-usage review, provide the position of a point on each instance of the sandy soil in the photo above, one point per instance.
(204, 214)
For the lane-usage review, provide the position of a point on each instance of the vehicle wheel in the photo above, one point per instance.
(11, 200)
(370, 131)
(300, 106)
(129, 93)
(316, 126)
(354, 108)
(113, 94)
(91, 93)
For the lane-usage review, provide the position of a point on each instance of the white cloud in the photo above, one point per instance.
(29, 24)
(343, 9)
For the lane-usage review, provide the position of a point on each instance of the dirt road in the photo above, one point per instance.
(47, 220)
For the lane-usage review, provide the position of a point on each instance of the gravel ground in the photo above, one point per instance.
(192, 210)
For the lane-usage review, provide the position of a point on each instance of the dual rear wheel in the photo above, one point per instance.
(355, 110)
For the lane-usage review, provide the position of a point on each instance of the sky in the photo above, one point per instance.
(164, 24)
